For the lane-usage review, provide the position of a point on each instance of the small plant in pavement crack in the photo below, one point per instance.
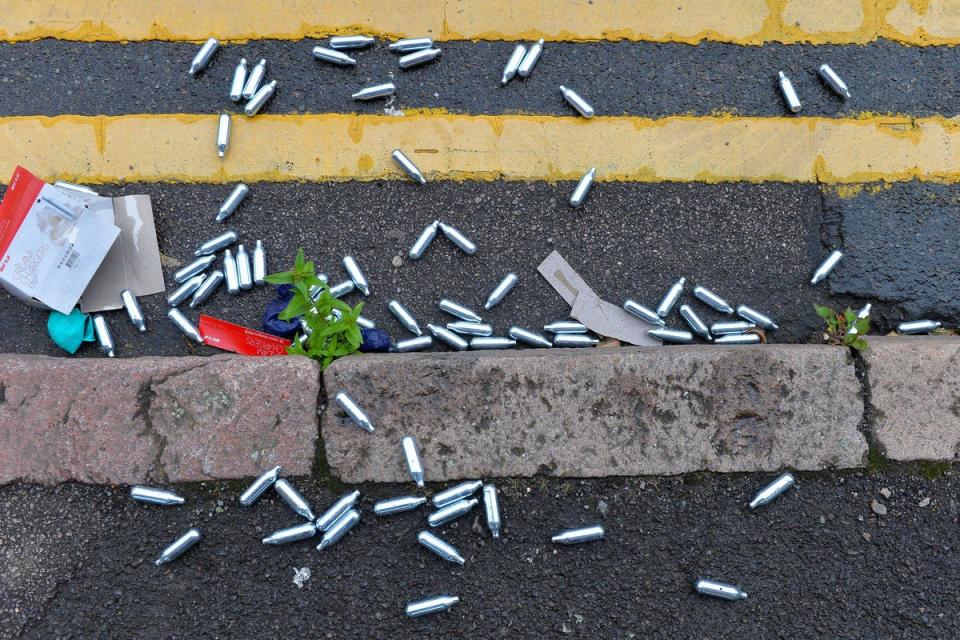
(844, 328)
(331, 325)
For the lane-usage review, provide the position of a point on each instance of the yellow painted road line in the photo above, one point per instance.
(749, 22)
(182, 148)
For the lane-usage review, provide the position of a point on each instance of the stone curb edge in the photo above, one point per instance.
(569, 413)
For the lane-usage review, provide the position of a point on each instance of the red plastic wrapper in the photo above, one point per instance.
(232, 337)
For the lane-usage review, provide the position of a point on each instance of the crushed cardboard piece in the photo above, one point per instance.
(600, 316)
(134, 260)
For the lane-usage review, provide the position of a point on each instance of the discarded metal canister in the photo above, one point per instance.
(198, 266)
(350, 42)
(513, 64)
(574, 100)
(259, 263)
(501, 290)
(215, 244)
(398, 505)
(435, 604)
(202, 59)
(670, 298)
(789, 93)
(491, 506)
(239, 80)
(712, 300)
(244, 272)
(260, 98)
(376, 91)
(293, 498)
(440, 547)
(185, 290)
(418, 58)
(356, 274)
(448, 337)
(673, 336)
(456, 236)
(353, 410)
(465, 328)
(647, 315)
(826, 266)
(333, 56)
(223, 134)
(573, 340)
(423, 240)
(918, 326)
(339, 529)
(451, 512)
(482, 343)
(231, 273)
(412, 456)
(456, 492)
(263, 482)
(183, 323)
(576, 536)
(205, 290)
(752, 315)
(408, 45)
(583, 188)
(413, 344)
(531, 338)
(735, 326)
(530, 59)
(75, 187)
(132, 305)
(155, 496)
(565, 326)
(863, 313)
(458, 310)
(720, 590)
(291, 534)
(405, 318)
(178, 547)
(772, 490)
(233, 201)
(695, 323)
(343, 504)
(365, 323)
(407, 165)
(833, 81)
(252, 85)
(738, 338)
(342, 289)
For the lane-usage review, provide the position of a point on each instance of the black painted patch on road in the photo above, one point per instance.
(901, 243)
(50, 77)
(817, 563)
(752, 244)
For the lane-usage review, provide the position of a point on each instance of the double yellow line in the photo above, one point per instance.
(153, 148)
(747, 22)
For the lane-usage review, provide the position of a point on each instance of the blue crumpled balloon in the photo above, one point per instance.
(375, 341)
(271, 322)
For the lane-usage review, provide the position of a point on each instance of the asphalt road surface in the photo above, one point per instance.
(50, 77)
(752, 244)
(817, 563)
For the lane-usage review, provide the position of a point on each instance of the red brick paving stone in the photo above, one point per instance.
(155, 419)
(915, 392)
(597, 412)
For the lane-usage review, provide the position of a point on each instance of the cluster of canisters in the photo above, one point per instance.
(449, 505)
(344, 514)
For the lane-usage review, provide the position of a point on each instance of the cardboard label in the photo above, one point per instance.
(51, 242)
(232, 337)
(600, 316)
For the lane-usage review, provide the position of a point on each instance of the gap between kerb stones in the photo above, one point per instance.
(876, 455)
